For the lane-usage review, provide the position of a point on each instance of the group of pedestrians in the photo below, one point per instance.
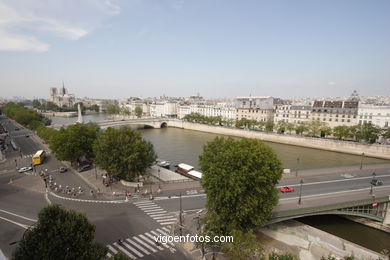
(54, 186)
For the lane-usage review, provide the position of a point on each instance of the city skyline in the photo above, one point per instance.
(116, 49)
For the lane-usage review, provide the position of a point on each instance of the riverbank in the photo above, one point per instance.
(368, 150)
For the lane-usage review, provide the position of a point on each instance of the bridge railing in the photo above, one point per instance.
(326, 208)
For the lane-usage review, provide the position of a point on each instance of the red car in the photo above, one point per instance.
(286, 189)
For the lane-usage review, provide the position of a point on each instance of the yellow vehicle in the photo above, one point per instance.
(38, 157)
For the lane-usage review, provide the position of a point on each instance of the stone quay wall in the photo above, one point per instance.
(370, 150)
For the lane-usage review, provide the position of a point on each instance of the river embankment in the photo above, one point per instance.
(370, 150)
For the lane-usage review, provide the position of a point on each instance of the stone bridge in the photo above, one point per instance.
(377, 209)
(147, 122)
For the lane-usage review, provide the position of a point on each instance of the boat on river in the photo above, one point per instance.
(163, 164)
(188, 171)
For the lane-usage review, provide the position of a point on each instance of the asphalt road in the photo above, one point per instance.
(19, 206)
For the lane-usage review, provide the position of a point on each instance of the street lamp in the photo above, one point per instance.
(300, 193)
(296, 169)
(180, 215)
(372, 185)
(361, 162)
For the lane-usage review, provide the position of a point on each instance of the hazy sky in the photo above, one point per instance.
(219, 48)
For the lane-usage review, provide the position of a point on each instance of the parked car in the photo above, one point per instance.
(85, 167)
(286, 189)
(25, 169)
(63, 169)
(376, 182)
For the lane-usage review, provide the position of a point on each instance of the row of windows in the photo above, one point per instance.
(336, 120)
(334, 111)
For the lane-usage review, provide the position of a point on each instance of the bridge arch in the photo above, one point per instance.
(163, 125)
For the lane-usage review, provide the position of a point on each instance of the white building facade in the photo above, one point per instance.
(377, 115)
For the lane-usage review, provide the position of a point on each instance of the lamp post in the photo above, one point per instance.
(159, 180)
(296, 169)
(300, 193)
(372, 185)
(361, 162)
(180, 215)
(95, 171)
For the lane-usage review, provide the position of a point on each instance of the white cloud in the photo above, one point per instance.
(13, 42)
(21, 20)
(331, 83)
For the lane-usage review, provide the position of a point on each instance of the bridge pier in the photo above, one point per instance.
(386, 220)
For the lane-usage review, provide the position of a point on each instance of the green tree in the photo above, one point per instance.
(60, 234)
(386, 133)
(239, 178)
(46, 133)
(287, 256)
(370, 132)
(281, 127)
(341, 131)
(95, 108)
(290, 127)
(269, 126)
(245, 246)
(36, 103)
(123, 152)
(325, 130)
(124, 111)
(138, 111)
(112, 109)
(314, 127)
(119, 256)
(73, 142)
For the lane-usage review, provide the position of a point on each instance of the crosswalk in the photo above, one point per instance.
(141, 245)
(156, 212)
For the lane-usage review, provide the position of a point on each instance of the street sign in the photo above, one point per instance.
(375, 204)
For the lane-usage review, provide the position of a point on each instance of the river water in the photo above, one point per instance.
(185, 146)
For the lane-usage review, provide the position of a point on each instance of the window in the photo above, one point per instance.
(342, 120)
(348, 120)
(330, 119)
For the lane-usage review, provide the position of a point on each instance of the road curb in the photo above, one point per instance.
(90, 201)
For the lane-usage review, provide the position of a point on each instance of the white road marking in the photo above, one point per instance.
(19, 216)
(138, 246)
(145, 244)
(132, 249)
(150, 242)
(157, 215)
(167, 223)
(155, 239)
(124, 251)
(161, 211)
(162, 217)
(165, 220)
(16, 223)
(112, 249)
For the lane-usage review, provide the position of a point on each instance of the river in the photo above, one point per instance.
(185, 146)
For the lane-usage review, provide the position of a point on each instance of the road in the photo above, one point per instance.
(137, 222)
(21, 200)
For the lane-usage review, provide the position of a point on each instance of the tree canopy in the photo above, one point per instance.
(123, 152)
(73, 142)
(25, 116)
(60, 234)
(138, 111)
(239, 178)
(112, 109)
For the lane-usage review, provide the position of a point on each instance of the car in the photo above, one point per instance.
(85, 167)
(376, 182)
(27, 136)
(286, 189)
(25, 169)
(63, 169)
(16, 129)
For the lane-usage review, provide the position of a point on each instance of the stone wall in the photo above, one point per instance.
(371, 150)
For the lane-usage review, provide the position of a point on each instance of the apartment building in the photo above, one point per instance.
(377, 115)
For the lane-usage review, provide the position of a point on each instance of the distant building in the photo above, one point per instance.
(377, 115)
(62, 99)
(254, 102)
(335, 113)
(258, 114)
